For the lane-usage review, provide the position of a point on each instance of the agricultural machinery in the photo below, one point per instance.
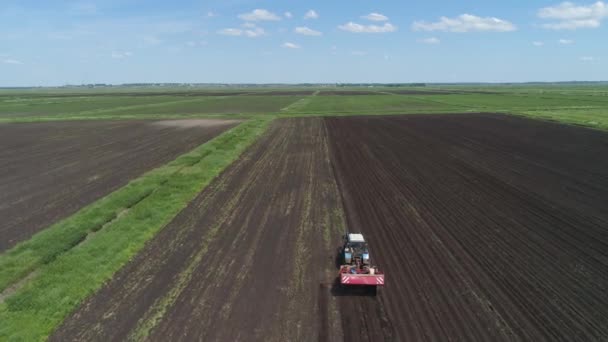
(356, 268)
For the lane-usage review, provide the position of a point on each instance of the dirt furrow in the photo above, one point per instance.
(489, 227)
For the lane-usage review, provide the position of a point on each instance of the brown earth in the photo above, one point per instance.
(250, 259)
(51, 170)
(488, 227)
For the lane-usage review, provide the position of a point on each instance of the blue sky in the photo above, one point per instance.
(121, 41)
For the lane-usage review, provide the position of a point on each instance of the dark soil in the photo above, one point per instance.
(243, 262)
(48, 171)
(488, 227)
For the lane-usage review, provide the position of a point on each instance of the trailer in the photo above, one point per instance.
(366, 276)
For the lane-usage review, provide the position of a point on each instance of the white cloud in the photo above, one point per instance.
(358, 28)
(251, 33)
(211, 14)
(311, 14)
(538, 44)
(288, 15)
(569, 11)
(307, 31)
(249, 24)
(12, 61)
(259, 15)
(466, 23)
(430, 41)
(573, 24)
(375, 17)
(289, 45)
(569, 16)
(566, 41)
(121, 55)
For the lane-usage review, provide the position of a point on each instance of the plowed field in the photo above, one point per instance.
(244, 261)
(50, 170)
(488, 228)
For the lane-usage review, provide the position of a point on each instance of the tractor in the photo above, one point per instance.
(356, 268)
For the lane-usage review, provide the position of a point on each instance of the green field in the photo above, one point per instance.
(576, 104)
(371, 104)
(119, 106)
(53, 277)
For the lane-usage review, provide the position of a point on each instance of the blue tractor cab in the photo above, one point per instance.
(355, 250)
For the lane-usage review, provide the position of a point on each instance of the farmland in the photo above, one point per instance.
(71, 164)
(492, 227)
(486, 214)
(30, 107)
(220, 255)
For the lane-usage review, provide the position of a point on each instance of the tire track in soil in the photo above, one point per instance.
(242, 262)
(489, 227)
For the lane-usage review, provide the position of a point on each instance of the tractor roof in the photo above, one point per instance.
(355, 238)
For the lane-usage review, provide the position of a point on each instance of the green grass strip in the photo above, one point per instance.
(593, 118)
(66, 275)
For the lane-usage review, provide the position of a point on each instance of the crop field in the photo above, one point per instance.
(364, 104)
(27, 105)
(100, 106)
(217, 214)
(50, 170)
(575, 105)
(474, 219)
(243, 262)
(217, 105)
(490, 227)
